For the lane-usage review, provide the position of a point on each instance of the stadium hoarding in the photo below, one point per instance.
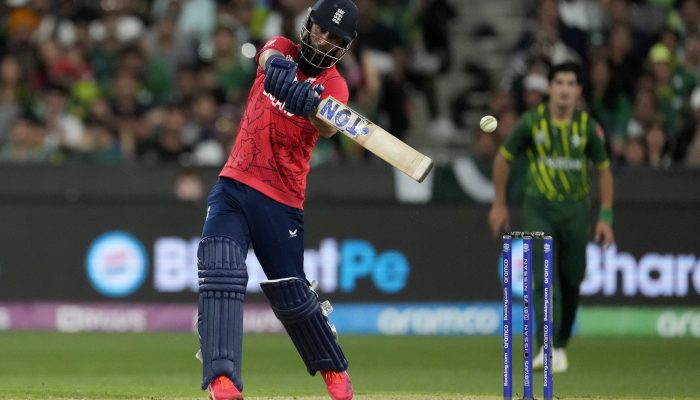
(119, 317)
(463, 319)
(145, 251)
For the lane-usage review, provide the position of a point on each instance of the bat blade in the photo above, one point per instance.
(375, 139)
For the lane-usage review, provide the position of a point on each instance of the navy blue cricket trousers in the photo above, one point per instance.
(275, 230)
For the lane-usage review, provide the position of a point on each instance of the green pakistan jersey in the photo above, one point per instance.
(557, 153)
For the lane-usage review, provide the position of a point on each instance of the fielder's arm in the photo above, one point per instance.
(501, 170)
(499, 218)
(607, 191)
(603, 229)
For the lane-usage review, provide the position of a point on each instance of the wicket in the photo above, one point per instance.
(507, 256)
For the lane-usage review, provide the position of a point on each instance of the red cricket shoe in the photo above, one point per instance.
(338, 384)
(221, 388)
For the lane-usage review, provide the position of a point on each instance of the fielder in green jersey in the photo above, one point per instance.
(558, 141)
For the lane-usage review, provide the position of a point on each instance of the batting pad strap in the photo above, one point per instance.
(296, 305)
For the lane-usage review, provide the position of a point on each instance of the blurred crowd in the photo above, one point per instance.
(642, 61)
(165, 81)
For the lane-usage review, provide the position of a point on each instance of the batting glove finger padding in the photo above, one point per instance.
(318, 89)
(279, 76)
(300, 99)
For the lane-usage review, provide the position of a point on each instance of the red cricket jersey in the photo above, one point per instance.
(273, 147)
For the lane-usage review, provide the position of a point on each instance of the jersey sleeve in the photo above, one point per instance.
(279, 43)
(520, 139)
(337, 87)
(596, 146)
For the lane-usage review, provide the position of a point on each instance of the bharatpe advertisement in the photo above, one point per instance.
(148, 253)
(387, 268)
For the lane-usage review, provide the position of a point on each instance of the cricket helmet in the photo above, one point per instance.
(338, 17)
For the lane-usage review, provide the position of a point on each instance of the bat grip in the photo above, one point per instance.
(318, 89)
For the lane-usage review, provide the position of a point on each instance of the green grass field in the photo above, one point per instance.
(162, 366)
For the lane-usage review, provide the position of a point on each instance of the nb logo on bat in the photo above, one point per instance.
(343, 118)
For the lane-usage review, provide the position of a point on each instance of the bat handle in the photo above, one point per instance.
(318, 89)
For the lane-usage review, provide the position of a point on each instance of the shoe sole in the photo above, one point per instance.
(239, 397)
(233, 398)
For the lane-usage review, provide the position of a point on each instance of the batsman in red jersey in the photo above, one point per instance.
(258, 200)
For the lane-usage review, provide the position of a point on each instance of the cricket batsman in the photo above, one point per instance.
(258, 201)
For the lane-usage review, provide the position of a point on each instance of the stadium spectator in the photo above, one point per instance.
(643, 20)
(625, 64)
(99, 145)
(202, 115)
(689, 17)
(197, 17)
(14, 93)
(606, 100)
(167, 50)
(202, 133)
(57, 66)
(99, 111)
(542, 40)
(20, 23)
(166, 143)
(26, 143)
(585, 15)
(174, 50)
(644, 112)
(432, 51)
(285, 19)
(535, 89)
(656, 146)
(500, 101)
(234, 73)
(186, 85)
(384, 46)
(687, 137)
(207, 80)
(118, 20)
(692, 157)
(245, 16)
(63, 130)
(633, 152)
(672, 87)
(692, 55)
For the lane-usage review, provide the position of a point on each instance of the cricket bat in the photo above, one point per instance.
(375, 139)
